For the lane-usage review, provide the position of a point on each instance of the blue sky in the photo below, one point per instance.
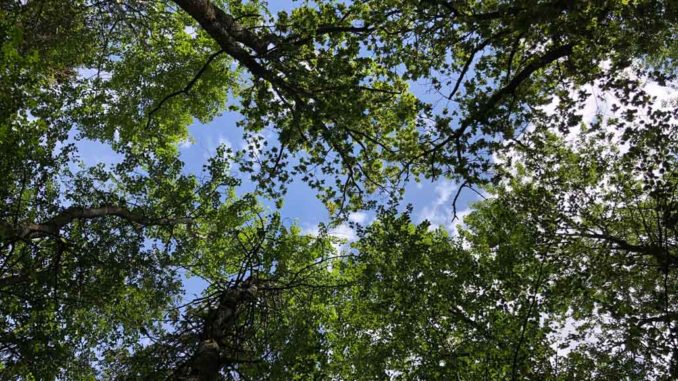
(430, 200)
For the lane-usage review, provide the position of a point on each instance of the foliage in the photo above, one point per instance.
(578, 232)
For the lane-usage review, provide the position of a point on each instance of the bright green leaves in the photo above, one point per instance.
(330, 80)
(578, 229)
(604, 206)
(396, 318)
(152, 80)
(278, 331)
(344, 122)
(425, 305)
(498, 62)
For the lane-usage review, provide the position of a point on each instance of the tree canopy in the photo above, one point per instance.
(566, 270)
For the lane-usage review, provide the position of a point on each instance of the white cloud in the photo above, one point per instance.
(440, 211)
(186, 143)
(358, 217)
(190, 31)
(225, 142)
(212, 145)
(91, 73)
(344, 231)
(443, 193)
(311, 230)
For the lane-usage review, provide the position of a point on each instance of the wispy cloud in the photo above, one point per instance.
(186, 143)
(440, 211)
(359, 218)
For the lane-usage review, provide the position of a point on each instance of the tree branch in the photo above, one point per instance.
(52, 226)
(186, 89)
(231, 36)
(510, 88)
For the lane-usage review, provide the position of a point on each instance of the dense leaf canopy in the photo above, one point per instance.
(566, 270)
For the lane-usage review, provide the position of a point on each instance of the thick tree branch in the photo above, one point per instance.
(222, 26)
(662, 255)
(667, 318)
(541, 62)
(212, 353)
(510, 88)
(233, 38)
(52, 226)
